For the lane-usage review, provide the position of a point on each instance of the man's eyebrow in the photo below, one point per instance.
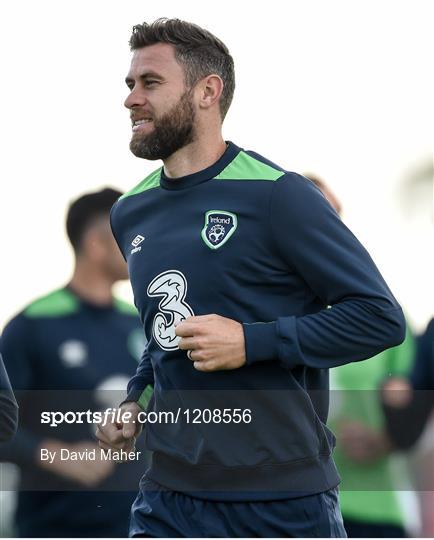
(144, 75)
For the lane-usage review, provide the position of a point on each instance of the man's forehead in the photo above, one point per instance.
(157, 57)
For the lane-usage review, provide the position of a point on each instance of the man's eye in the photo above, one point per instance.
(150, 83)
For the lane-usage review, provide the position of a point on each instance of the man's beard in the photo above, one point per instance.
(172, 131)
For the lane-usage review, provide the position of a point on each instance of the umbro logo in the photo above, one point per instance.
(135, 243)
(137, 240)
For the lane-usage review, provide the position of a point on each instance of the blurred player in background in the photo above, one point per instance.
(369, 503)
(66, 351)
(8, 406)
(409, 405)
(409, 400)
(326, 191)
(246, 260)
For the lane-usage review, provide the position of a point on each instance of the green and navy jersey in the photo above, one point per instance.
(247, 240)
(64, 354)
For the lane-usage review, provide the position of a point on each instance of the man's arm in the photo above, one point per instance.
(139, 385)
(122, 435)
(363, 317)
(360, 317)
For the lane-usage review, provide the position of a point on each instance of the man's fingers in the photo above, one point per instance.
(109, 430)
(110, 434)
(129, 429)
(127, 445)
(188, 343)
(186, 329)
(200, 318)
(197, 319)
(106, 446)
(100, 435)
(205, 365)
(198, 355)
(102, 438)
(193, 325)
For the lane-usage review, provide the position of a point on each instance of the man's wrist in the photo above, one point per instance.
(140, 395)
(261, 342)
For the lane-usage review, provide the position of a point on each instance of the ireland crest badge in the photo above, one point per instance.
(219, 226)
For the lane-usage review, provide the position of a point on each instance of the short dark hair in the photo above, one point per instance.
(85, 210)
(196, 49)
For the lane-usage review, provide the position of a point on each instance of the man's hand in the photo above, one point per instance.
(362, 444)
(213, 342)
(397, 392)
(87, 472)
(121, 436)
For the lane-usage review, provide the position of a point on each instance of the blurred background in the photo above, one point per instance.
(341, 89)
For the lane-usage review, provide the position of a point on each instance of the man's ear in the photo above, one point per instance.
(92, 247)
(210, 90)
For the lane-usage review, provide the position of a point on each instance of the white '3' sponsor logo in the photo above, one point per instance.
(173, 308)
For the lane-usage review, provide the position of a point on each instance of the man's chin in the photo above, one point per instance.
(141, 150)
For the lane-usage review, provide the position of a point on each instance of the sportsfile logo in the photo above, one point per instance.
(135, 243)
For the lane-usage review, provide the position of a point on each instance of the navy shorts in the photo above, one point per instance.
(158, 513)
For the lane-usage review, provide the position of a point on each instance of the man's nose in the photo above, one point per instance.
(136, 98)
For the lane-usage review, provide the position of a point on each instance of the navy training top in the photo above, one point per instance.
(250, 241)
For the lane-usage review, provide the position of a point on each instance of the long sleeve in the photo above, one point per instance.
(8, 407)
(139, 386)
(360, 317)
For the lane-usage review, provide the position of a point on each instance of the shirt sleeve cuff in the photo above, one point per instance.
(261, 342)
(135, 389)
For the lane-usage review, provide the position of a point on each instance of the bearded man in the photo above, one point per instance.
(250, 288)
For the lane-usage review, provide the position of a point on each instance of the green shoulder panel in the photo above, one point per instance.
(56, 304)
(150, 182)
(245, 167)
(124, 307)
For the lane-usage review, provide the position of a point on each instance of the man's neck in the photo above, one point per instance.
(194, 157)
(91, 285)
